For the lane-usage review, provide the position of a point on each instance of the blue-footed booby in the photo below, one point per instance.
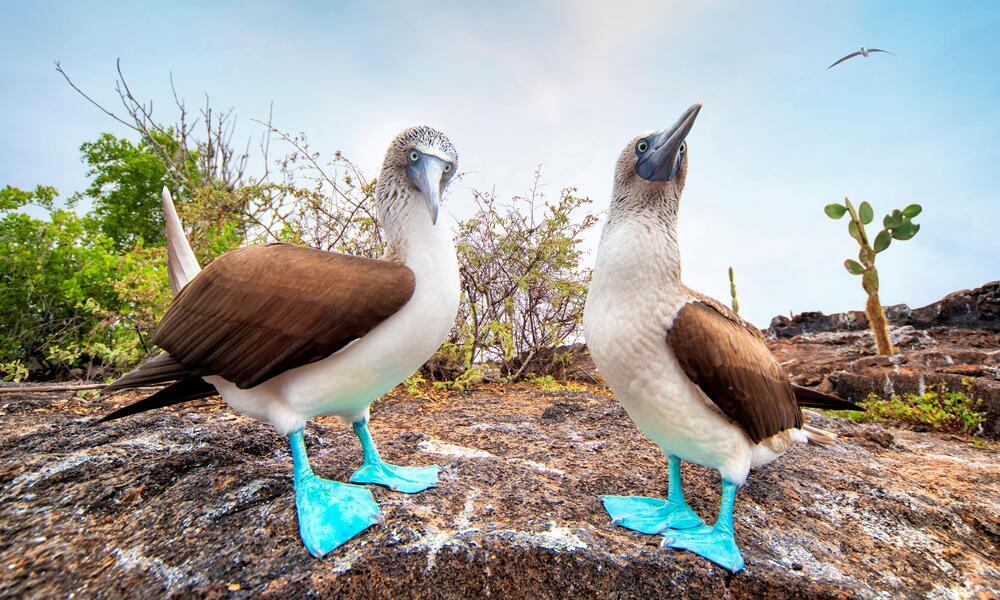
(285, 333)
(696, 379)
(862, 52)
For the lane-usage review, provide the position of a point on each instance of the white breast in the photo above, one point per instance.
(346, 383)
(633, 299)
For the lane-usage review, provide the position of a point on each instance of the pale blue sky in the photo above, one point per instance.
(566, 85)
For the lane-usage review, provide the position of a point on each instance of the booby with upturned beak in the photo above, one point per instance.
(696, 379)
(285, 333)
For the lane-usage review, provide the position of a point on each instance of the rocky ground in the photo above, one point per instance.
(195, 501)
(954, 342)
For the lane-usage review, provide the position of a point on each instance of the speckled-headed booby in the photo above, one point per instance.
(695, 378)
(285, 333)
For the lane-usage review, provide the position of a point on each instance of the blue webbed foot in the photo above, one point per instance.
(714, 543)
(649, 515)
(408, 480)
(329, 512)
(717, 543)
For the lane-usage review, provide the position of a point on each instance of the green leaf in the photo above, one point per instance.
(835, 211)
(912, 210)
(894, 220)
(882, 241)
(852, 228)
(854, 267)
(866, 213)
(870, 281)
(906, 232)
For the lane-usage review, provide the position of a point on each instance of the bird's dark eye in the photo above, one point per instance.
(684, 147)
(447, 167)
(642, 146)
(414, 156)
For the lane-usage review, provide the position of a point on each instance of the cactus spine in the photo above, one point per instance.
(732, 292)
(897, 225)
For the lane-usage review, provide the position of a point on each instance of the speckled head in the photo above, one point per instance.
(653, 166)
(419, 159)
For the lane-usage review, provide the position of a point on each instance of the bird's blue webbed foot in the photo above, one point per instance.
(649, 515)
(654, 515)
(717, 543)
(329, 512)
(408, 480)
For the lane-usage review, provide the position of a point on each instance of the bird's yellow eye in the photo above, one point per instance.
(642, 146)
(414, 156)
(447, 167)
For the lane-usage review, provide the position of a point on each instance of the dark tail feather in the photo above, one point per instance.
(810, 398)
(158, 369)
(185, 390)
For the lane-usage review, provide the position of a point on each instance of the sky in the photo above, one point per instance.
(566, 85)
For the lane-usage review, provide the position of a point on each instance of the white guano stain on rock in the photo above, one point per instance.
(556, 537)
(50, 469)
(445, 449)
(172, 577)
(540, 467)
(463, 452)
(151, 443)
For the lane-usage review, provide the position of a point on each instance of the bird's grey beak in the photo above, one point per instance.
(427, 174)
(662, 160)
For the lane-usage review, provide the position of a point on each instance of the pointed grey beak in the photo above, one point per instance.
(427, 173)
(662, 160)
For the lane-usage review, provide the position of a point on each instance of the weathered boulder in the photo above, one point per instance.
(954, 342)
(195, 501)
(977, 309)
(845, 362)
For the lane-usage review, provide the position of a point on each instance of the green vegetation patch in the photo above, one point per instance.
(938, 408)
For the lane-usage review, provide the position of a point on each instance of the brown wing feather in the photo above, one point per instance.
(729, 360)
(259, 311)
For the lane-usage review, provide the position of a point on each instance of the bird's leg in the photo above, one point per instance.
(654, 515)
(330, 512)
(717, 543)
(408, 480)
(683, 517)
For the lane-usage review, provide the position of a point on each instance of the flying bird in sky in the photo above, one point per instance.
(862, 52)
(696, 378)
(285, 333)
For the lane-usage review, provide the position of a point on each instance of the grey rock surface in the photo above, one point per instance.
(195, 501)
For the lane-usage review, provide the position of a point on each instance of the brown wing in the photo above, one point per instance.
(729, 360)
(257, 312)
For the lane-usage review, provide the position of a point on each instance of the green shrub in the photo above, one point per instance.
(551, 384)
(70, 303)
(13, 371)
(938, 408)
(523, 282)
(124, 189)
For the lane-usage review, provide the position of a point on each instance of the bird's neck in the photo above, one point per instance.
(410, 235)
(647, 224)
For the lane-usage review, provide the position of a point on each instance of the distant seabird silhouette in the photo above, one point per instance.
(862, 52)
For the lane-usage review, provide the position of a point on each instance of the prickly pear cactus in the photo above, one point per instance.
(897, 225)
(732, 292)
